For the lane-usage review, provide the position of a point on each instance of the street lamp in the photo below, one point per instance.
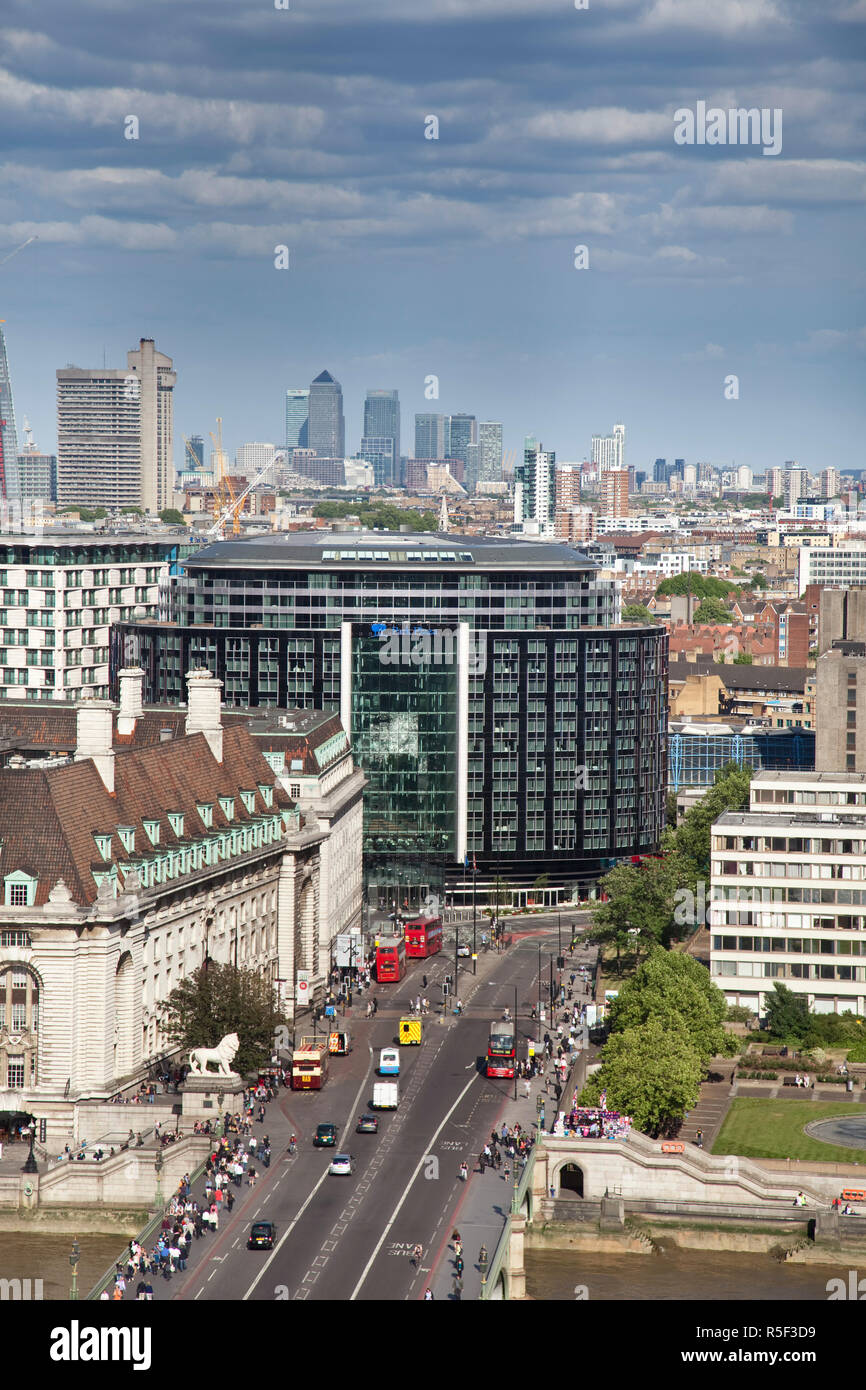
(474, 916)
(73, 1260)
(539, 1109)
(30, 1164)
(157, 1167)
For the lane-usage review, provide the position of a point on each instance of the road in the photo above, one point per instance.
(351, 1237)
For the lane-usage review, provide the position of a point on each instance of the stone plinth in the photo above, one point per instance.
(612, 1213)
(200, 1096)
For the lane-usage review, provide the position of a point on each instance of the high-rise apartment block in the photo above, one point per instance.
(776, 482)
(660, 471)
(831, 482)
(796, 481)
(115, 433)
(614, 492)
(535, 490)
(327, 425)
(461, 434)
(489, 451)
(297, 418)
(608, 451)
(378, 451)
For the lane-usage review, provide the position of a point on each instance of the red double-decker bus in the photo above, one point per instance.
(390, 959)
(500, 1050)
(423, 936)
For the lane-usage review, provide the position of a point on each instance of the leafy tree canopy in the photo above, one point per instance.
(637, 613)
(383, 516)
(220, 999)
(743, 659)
(675, 989)
(652, 1073)
(712, 610)
(172, 517)
(691, 839)
(700, 585)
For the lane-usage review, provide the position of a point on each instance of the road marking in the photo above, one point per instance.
(354, 1294)
(301, 1210)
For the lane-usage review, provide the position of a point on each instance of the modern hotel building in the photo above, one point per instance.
(505, 723)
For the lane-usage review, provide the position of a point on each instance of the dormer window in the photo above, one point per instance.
(151, 830)
(249, 800)
(20, 889)
(267, 793)
(228, 807)
(205, 810)
(127, 837)
(103, 844)
(176, 822)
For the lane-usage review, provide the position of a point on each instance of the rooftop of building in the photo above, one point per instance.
(49, 729)
(810, 779)
(373, 548)
(712, 726)
(794, 819)
(743, 677)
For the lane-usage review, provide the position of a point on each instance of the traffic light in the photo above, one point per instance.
(446, 988)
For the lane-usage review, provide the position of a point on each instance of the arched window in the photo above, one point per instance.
(19, 1027)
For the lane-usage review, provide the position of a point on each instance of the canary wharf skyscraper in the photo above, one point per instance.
(326, 427)
(10, 488)
(297, 410)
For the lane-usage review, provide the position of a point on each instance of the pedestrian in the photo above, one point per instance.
(458, 1289)
(458, 1265)
(464, 1172)
(481, 1162)
(699, 1138)
(423, 981)
(251, 1177)
(428, 1295)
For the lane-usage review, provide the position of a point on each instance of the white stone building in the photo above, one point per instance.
(154, 847)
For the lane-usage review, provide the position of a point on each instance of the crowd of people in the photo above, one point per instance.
(587, 1122)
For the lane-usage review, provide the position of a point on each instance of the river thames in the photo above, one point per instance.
(678, 1275)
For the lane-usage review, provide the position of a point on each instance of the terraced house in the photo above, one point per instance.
(152, 846)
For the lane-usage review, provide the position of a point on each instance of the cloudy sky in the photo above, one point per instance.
(454, 257)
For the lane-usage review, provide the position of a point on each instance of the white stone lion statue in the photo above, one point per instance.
(223, 1055)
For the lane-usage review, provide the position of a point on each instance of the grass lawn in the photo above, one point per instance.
(757, 1128)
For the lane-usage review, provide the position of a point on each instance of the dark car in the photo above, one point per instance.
(325, 1136)
(262, 1236)
(368, 1124)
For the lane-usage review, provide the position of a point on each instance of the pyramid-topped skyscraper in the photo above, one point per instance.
(326, 427)
(10, 486)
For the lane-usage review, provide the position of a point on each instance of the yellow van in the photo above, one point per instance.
(409, 1031)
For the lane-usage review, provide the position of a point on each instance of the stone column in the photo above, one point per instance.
(516, 1271)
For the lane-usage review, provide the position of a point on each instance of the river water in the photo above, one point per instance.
(552, 1275)
(46, 1257)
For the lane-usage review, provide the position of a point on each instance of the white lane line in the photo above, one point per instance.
(396, 1212)
(296, 1219)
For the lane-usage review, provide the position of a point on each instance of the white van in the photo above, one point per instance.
(389, 1062)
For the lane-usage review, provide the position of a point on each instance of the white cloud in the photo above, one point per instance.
(789, 181)
(233, 121)
(606, 125)
(726, 17)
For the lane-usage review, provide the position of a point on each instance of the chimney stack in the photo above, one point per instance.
(94, 732)
(131, 682)
(204, 708)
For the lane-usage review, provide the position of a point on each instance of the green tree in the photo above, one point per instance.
(676, 990)
(220, 999)
(712, 610)
(743, 659)
(691, 839)
(639, 908)
(652, 1073)
(637, 613)
(787, 1013)
(697, 584)
(760, 581)
(172, 517)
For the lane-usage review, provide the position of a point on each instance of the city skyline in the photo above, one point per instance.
(703, 262)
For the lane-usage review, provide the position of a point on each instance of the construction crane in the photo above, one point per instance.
(193, 456)
(221, 477)
(233, 510)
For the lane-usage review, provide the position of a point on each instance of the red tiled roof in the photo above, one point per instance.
(49, 816)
